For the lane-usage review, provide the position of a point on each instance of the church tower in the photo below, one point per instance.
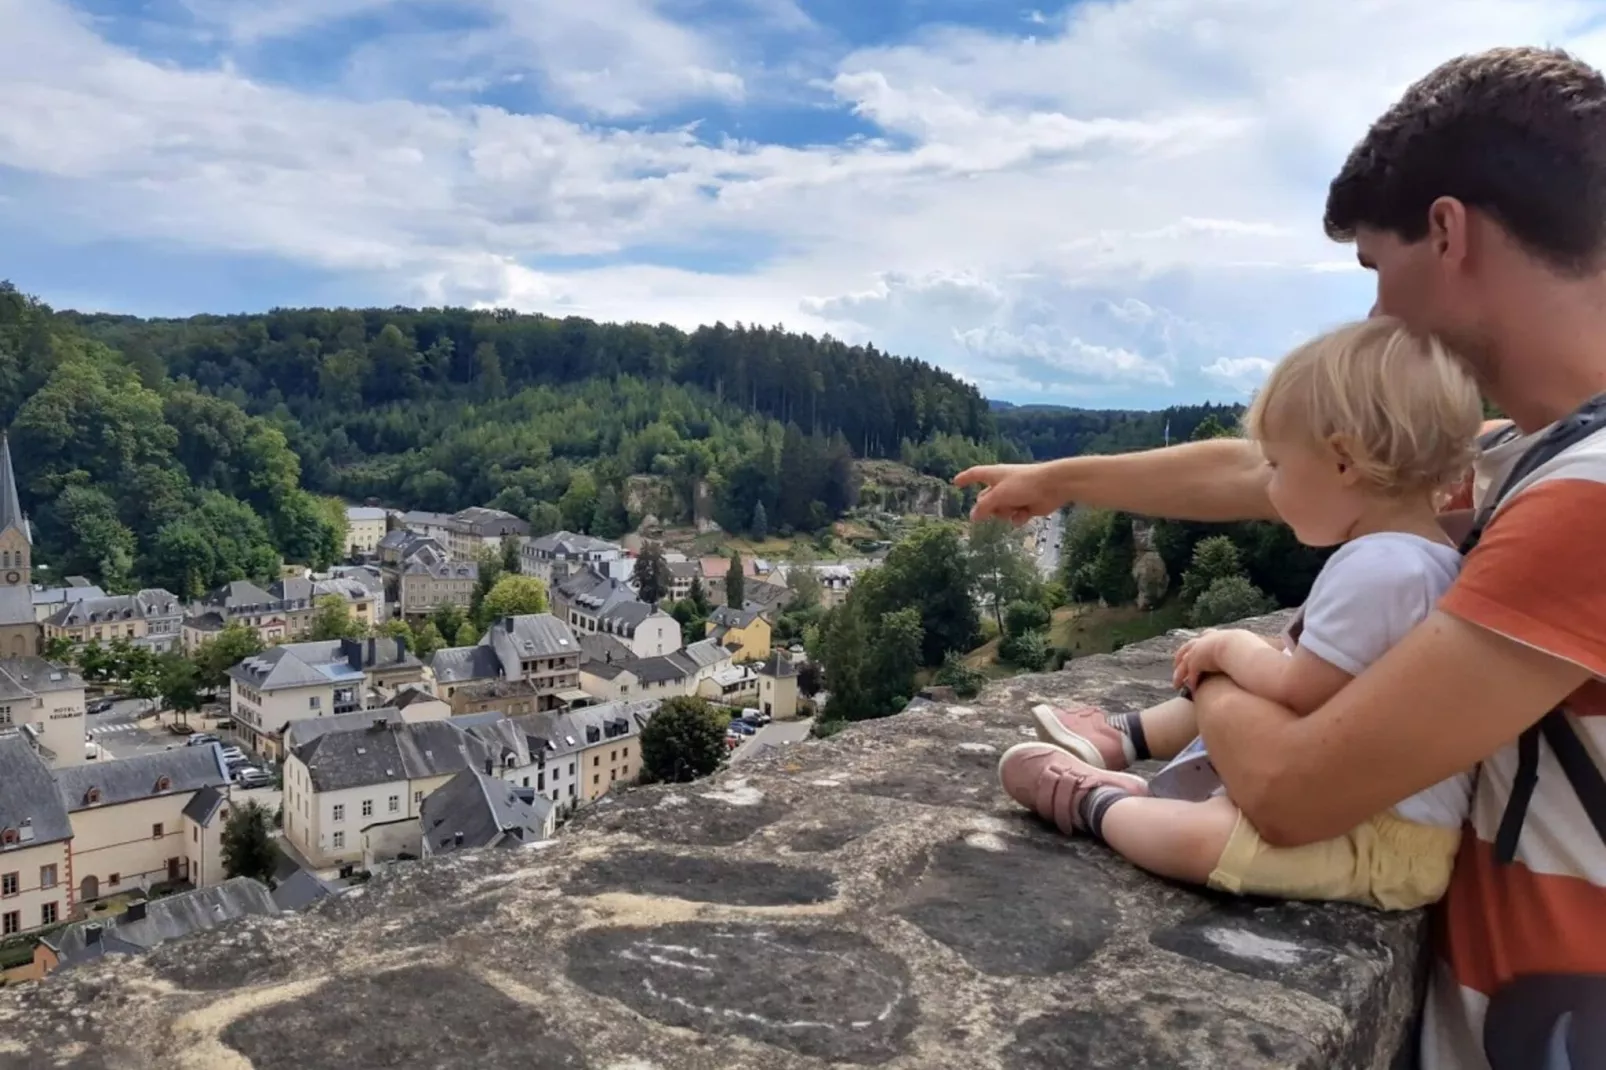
(16, 540)
(19, 630)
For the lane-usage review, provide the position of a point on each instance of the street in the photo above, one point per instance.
(1048, 544)
(121, 734)
(775, 734)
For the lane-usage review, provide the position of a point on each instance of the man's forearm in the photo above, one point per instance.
(1220, 479)
(1245, 736)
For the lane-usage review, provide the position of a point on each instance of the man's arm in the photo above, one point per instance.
(1216, 479)
(1446, 697)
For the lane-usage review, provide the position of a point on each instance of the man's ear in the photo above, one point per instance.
(1447, 229)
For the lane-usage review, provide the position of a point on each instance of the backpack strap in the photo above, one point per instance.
(1555, 727)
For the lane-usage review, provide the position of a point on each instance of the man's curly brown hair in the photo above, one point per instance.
(1517, 133)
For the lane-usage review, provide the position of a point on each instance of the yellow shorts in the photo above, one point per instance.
(1386, 862)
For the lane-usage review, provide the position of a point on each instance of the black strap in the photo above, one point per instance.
(1571, 753)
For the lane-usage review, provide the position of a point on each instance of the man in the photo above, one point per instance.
(1479, 200)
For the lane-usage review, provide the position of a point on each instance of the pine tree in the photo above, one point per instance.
(761, 523)
(651, 574)
(248, 849)
(735, 583)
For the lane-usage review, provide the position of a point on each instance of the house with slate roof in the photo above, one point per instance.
(593, 603)
(473, 811)
(744, 631)
(35, 839)
(130, 823)
(340, 783)
(522, 664)
(554, 558)
(152, 619)
(43, 702)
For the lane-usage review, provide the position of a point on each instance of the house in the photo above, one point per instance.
(777, 687)
(681, 576)
(414, 704)
(128, 819)
(402, 544)
(205, 816)
(35, 837)
(365, 526)
(609, 737)
(372, 577)
(522, 664)
(768, 599)
(532, 751)
(151, 922)
(289, 683)
(341, 782)
(599, 646)
(435, 526)
(366, 606)
(152, 619)
(591, 602)
(835, 582)
(244, 603)
(426, 581)
(43, 703)
(555, 557)
(744, 631)
(664, 677)
(19, 627)
(610, 681)
(301, 888)
(47, 600)
(708, 656)
(736, 685)
(478, 530)
(473, 810)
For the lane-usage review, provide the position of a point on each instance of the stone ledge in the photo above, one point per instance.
(867, 900)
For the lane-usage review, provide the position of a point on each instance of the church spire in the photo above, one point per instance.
(10, 504)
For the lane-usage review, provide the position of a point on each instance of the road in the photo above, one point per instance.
(776, 734)
(121, 734)
(1048, 544)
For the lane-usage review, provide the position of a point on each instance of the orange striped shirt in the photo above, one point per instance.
(1538, 578)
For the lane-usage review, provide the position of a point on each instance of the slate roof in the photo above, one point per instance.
(487, 812)
(559, 734)
(566, 544)
(704, 652)
(205, 805)
(124, 780)
(50, 596)
(151, 602)
(489, 523)
(602, 647)
(627, 616)
(168, 918)
(394, 751)
(662, 668)
(364, 512)
(425, 519)
(322, 662)
(778, 665)
(608, 670)
(730, 617)
(300, 890)
(455, 664)
(27, 677)
(593, 592)
(299, 733)
(240, 595)
(11, 514)
(531, 635)
(29, 801)
(419, 565)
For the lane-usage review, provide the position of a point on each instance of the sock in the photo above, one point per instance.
(1095, 804)
(1133, 743)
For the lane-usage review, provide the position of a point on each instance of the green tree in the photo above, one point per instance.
(332, 619)
(698, 597)
(651, 574)
(449, 620)
(514, 596)
(928, 569)
(248, 849)
(1004, 574)
(1211, 427)
(467, 634)
(843, 645)
(1027, 650)
(1214, 558)
(1023, 617)
(1227, 599)
(761, 523)
(178, 681)
(735, 582)
(545, 518)
(894, 658)
(579, 502)
(427, 639)
(215, 657)
(608, 519)
(683, 741)
(966, 681)
(510, 554)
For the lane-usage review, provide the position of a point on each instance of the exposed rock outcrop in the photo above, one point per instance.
(872, 899)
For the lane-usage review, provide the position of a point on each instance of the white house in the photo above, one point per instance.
(555, 557)
(364, 528)
(44, 703)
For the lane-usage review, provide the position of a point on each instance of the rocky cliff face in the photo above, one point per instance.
(871, 900)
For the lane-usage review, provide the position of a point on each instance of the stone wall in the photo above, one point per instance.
(869, 900)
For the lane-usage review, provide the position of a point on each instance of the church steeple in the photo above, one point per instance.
(10, 505)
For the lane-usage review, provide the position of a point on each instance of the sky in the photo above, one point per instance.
(1103, 204)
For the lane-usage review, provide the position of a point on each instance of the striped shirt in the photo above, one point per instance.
(1536, 577)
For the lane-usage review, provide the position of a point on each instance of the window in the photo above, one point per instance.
(571, 791)
(418, 797)
(114, 879)
(613, 756)
(156, 831)
(596, 779)
(12, 924)
(314, 702)
(596, 761)
(395, 804)
(624, 770)
(47, 876)
(571, 769)
(5, 714)
(540, 782)
(340, 813)
(340, 841)
(47, 914)
(195, 835)
(10, 884)
(368, 808)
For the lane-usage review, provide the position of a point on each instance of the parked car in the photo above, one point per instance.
(201, 739)
(251, 777)
(233, 756)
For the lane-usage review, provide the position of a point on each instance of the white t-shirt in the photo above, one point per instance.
(1371, 592)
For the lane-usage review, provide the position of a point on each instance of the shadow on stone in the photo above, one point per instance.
(1027, 909)
(421, 1017)
(817, 991)
(703, 880)
(1158, 1032)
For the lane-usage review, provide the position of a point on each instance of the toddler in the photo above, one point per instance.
(1361, 429)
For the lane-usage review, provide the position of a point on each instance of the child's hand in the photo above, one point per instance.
(1195, 658)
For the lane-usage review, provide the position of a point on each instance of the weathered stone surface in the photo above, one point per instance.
(872, 899)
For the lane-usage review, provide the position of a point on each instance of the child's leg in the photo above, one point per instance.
(1116, 740)
(1168, 837)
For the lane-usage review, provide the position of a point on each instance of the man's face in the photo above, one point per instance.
(1417, 284)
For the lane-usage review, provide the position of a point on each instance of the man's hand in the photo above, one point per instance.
(1015, 492)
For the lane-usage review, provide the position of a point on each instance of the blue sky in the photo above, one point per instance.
(1105, 204)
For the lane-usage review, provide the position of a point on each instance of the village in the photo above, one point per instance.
(367, 751)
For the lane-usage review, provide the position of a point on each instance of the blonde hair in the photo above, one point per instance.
(1397, 402)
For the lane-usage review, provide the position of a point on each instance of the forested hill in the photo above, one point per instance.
(1045, 431)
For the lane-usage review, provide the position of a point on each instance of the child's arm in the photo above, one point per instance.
(1302, 682)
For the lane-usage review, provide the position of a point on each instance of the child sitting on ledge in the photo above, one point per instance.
(1361, 428)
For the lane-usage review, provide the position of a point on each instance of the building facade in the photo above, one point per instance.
(152, 619)
(365, 526)
(19, 627)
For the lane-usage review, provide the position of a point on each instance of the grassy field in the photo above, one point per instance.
(1088, 629)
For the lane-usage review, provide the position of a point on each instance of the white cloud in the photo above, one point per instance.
(1243, 374)
(1120, 203)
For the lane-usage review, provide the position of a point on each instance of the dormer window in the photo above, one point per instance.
(164, 784)
(8, 837)
(92, 797)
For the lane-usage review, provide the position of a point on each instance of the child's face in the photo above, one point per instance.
(1310, 490)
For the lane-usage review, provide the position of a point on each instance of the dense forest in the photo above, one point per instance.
(186, 452)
